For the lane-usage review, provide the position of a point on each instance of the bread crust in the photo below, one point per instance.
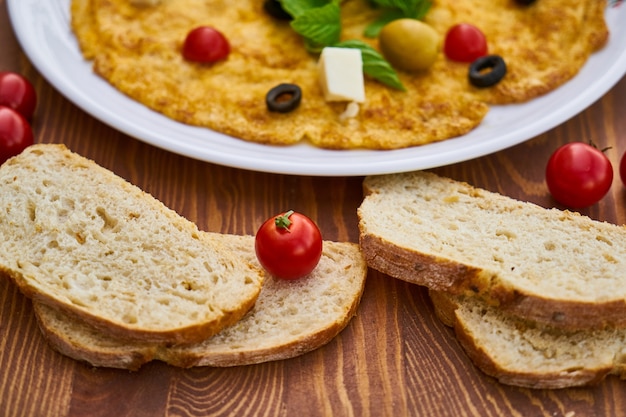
(404, 260)
(441, 274)
(531, 379)
(79, 238)
(180, 336)
(415, 267)
(132, 355)
(226, 358)
(131, 359)
(338, 279)
(446, 308)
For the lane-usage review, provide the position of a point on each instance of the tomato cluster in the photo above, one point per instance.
(17, 105)
(579, 175)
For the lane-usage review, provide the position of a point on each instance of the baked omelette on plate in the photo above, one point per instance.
(137, 49)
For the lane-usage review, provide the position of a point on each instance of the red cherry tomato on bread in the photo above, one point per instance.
(15, 133)
(465, 43)
(578, 175)
(205, 44)
(17, 93)
(289, 246)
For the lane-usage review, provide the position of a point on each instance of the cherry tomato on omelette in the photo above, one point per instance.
(205, 44)
(465, 43)
(578, 175)
(15, 133)
(17, 93)
(289, 246)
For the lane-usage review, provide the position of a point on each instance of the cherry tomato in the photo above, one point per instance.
(465, 43)
(578, 175)
(15, 133)
(289, 246)
(18, 93)
(205, 44)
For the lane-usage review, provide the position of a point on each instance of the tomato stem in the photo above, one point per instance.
(283, 222)
(603, 150)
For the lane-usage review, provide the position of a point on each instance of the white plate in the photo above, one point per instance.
(42, 28)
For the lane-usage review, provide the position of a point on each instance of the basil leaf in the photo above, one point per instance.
(374, 64)
(396, 9)
(409, 8)
(421, 9)
(319, 23)
(298, 7)
(373, 29)
(320, 26)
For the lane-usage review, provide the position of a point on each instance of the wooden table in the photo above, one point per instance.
(394, 359)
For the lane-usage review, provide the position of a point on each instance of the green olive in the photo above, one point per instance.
(409, 44)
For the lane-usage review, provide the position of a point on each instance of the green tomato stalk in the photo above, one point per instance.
(283, 222)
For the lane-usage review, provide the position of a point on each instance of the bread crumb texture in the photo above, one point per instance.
(524, 353)
(290, 308)
(289, 318)
(75, 234)
(544, 252)
(542, 348)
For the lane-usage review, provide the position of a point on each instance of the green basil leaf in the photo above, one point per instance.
(298, 7)
(396, 9)
(409, 8)
(373, 29)
(320, 25)
(374, 64)
(422, 8)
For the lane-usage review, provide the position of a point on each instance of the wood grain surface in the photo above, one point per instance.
(394, 359)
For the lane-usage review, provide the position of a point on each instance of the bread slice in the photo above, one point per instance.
(290, 318)
(77, 237)
(547, 265)
(523, 353)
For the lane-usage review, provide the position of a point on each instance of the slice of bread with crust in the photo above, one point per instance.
(547, 265)
(528, 354)
(290, 318)
(77, 237)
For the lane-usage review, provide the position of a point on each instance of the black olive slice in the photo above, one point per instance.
(525, 2)
(275, 9)
(283, 98)
(487, 71)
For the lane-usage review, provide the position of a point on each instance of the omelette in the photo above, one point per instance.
(136, 46)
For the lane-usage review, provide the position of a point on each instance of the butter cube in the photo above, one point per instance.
(341, 74)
